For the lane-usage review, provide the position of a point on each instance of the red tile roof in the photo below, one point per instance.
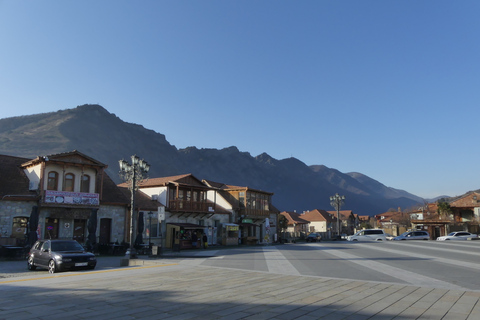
(293, 217)
(318, 215)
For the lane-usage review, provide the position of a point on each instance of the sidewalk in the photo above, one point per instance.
(167, 290)
(171, 288)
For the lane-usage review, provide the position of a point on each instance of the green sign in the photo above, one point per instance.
(247, 221)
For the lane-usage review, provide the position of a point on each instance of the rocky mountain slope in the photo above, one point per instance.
(100, 134)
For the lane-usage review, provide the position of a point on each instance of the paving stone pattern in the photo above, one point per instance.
(183, 291)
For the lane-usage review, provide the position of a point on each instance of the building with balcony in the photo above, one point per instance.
(183, 209)
(251, 209)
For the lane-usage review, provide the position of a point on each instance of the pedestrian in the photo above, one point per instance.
(205, 241)
(194, 239)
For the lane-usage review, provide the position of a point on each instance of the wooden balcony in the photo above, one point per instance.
(190, 206)
(256, 213)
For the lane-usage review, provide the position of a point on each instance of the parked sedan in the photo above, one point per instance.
(60, 255)
(461, 235)
(314, 237)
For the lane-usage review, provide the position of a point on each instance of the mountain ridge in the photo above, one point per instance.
(93, 130)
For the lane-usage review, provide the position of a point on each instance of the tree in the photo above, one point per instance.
(282, 224)
(444, 209)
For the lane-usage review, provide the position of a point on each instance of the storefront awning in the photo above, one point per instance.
(248, 225)
(188, 225)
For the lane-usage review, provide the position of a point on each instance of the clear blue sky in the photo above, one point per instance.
(390, 89)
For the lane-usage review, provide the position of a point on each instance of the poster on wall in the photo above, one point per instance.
(79, 198)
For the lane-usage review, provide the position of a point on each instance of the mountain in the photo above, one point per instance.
(100, 134)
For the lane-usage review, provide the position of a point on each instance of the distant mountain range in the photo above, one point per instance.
(94, 131)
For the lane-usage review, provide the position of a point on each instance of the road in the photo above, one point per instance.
(450, 265)
(332, 280)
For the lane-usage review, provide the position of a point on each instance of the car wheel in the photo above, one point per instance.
(355, 239)
(30, 264)
(379, 239)
(52, 266)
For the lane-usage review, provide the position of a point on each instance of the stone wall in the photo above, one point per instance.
(11, 209)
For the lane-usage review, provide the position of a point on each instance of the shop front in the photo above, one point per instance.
(248, 233)
(230, 234)
(182, 236)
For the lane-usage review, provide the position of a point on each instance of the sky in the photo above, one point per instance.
(390, 89)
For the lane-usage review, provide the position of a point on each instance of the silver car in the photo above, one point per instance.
(413, 235)
(459, 235)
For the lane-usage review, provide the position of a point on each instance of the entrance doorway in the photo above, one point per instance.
(105, 231)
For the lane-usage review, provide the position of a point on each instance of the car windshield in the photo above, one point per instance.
(66, 246)
(451, 233)
(404, 234)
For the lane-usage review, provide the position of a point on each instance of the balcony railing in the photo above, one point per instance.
(190, 206)
(71, 198)
(256, 213)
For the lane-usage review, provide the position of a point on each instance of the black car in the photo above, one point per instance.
(314, 237)
(60, 255)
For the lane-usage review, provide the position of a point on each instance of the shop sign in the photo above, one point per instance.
(79, 198)
(232, 228)
(247, 221)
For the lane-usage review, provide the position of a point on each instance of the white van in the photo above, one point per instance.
(369, 235)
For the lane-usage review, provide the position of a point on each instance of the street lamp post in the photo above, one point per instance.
(150, 214)
(336, 201)
(133, 174)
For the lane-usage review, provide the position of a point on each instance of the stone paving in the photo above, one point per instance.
(165, 289)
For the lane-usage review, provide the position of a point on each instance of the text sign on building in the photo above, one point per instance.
(78, 198)
(161, 213)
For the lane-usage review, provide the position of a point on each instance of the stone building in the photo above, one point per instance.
(62, 191)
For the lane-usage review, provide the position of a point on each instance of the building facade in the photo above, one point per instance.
(62, 192)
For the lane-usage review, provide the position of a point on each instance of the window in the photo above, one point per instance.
(69, 182)
(241, 199)
(52, 183)
(85, 184)
(19, 227)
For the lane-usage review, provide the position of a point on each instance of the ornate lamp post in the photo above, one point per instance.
(133, 174)
(150, 214)
(336, 201)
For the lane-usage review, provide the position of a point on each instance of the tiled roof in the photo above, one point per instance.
(318, 215)
(183, 179)
(66, 157)
(344, 214)
(142, 201)
(13, 181)
(293, 217)
(111, 194)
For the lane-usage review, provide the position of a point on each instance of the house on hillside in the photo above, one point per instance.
(321, 222)
(56, 196)
(297, 227)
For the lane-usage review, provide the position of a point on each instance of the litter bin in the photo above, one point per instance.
(156, 250)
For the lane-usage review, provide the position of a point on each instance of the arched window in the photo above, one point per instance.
(85, 185)
(52, 183)
(69, 182)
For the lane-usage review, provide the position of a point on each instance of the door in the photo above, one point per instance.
(105, 231)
